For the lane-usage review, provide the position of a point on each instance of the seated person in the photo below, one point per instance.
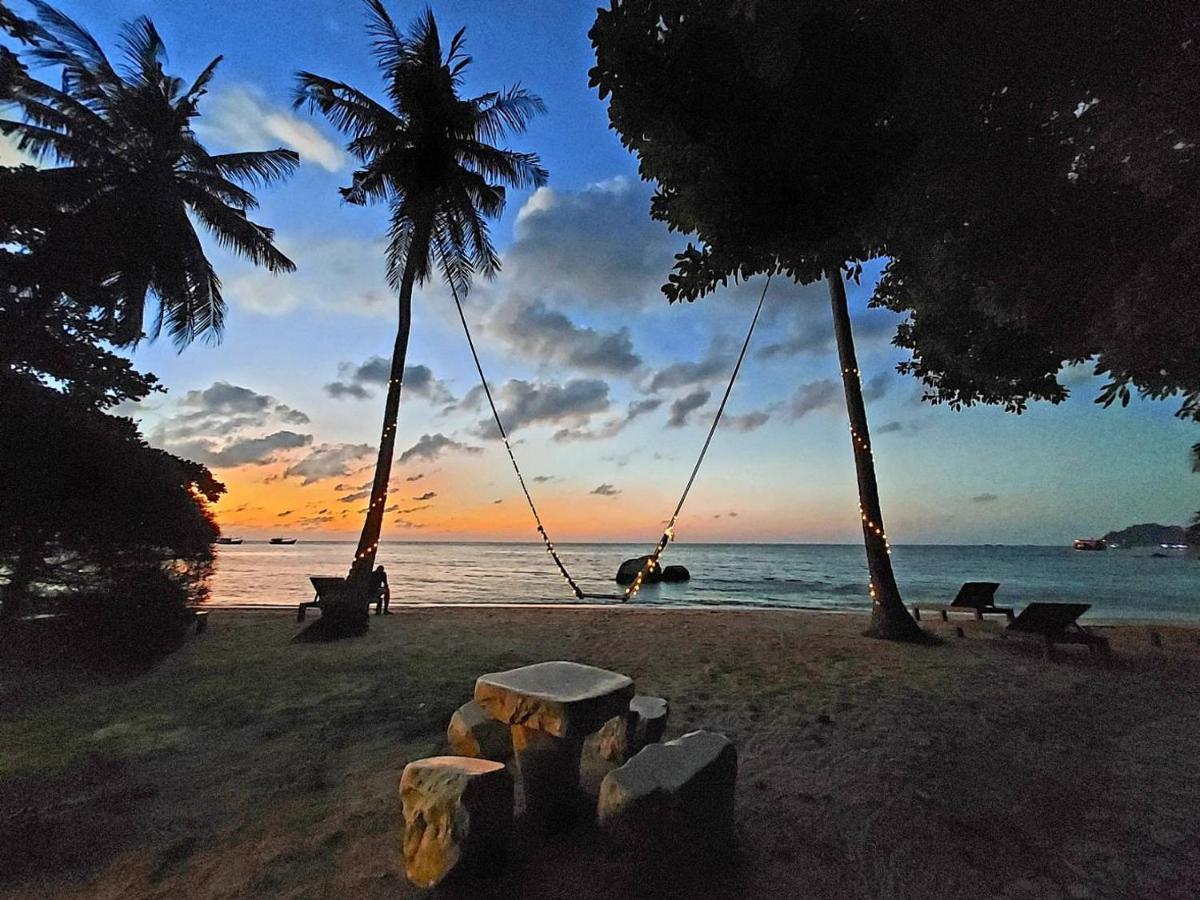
(381, 593)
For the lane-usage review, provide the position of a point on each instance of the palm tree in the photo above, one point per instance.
(131, 180)
(429, 154)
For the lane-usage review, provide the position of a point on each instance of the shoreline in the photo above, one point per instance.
(1099, 622)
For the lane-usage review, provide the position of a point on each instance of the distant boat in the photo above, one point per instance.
(228, 541)
(1089, 544)
(1174, 546)
(282, 540)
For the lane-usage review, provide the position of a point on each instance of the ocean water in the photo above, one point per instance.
(1120, 584)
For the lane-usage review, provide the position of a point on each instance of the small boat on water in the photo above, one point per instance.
(282, 540)
(1174, 546)
(1089, 544)
(225, 541)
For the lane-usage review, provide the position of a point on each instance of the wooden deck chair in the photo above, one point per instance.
(1055, 624)
(978, 597)
(326, 587)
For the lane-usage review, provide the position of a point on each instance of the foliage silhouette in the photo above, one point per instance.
(431, 156)
(114, 219)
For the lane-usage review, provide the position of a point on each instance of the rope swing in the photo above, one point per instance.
(669, 532)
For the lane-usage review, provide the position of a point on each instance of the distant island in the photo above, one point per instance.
(1150, 534)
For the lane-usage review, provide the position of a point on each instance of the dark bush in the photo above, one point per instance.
(142, 617)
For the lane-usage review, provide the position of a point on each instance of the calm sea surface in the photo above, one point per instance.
(1120, 584)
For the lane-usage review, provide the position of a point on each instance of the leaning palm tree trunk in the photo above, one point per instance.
(889, 618)
(359, 579)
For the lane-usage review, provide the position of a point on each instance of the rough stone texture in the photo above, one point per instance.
(649, 721)
(472, 732)
(629, 569)
(620, 738)
(677, 795)
(563, 699)
(549, 768)
(603, 751)
(676, 573)
(457, 816)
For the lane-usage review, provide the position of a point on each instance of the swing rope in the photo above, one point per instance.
(669, 532)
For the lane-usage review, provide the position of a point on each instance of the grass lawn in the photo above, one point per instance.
(246, 765)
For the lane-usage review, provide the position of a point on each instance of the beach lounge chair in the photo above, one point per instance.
(326, 586)
(1055, 624)
(978, 597)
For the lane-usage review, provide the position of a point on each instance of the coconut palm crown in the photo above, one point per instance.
(131, 179)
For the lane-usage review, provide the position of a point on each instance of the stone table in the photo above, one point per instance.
(552, 707)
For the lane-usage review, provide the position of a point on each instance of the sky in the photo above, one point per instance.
(606, 389)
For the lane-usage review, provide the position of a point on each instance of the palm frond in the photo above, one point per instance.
(144, 52)
(86, 70)
(259, 168)
(348, 109)
(521, 170)
(506, 112)
(231, 228)
(200, 86)
(388, 45)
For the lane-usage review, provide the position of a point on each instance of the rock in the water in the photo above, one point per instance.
(630, 568)
(649, 721)
(676, 573)
(677, 795)
(564, 699)
(472, 732)
(620, 738)
(457, 816)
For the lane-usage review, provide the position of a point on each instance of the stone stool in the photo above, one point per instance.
(457, 816)
(620, 738)
(472, 732)
(552, 707)
(677, 795)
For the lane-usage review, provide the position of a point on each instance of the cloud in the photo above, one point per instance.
(549, 336)
(404, 523)
(223, 397)
(416, 477)
(498, 500)
(418, 381)
(747, 422)
(359, 487)
(685, 406)
(256, 451)
(542, 479)
(328, 461)
(242, 118)
(612, 427)
(598, 243)
(428, 495)
(877, 387)
(411, 509)
(286, 512)
(804, 324)
(815, 395)
(524, 403)
(430, 446)
(687, 374)
(339, 274)
(356, 496)
(605, 490)
(985, 498)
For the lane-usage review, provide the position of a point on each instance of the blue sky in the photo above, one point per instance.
(609, 389)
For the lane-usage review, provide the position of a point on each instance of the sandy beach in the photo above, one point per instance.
(245, 765)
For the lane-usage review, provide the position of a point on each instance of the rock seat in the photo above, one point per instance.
(472, 732)
(678, 795)
(620, 738)
(457, 816)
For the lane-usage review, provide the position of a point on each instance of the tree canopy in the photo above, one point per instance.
(1030, 172)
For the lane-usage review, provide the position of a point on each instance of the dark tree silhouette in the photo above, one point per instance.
(769, 139)
(429, 154)
(116, 215)
(1048, 214)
